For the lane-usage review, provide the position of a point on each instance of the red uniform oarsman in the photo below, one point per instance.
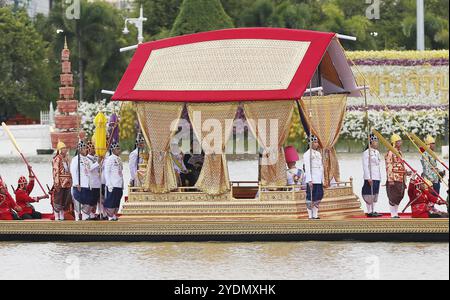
(7, 204)
(62, 182)
(24, 200)
(423, 200)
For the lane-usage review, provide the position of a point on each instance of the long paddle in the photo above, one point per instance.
(14, 142)
(420, 143)
(396, 153)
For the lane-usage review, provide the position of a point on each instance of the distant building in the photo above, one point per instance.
(39, 7)
(33, 7)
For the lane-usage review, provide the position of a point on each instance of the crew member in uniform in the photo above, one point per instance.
(95, 181)
(372, 176)
(114, 182)
(430, 166)
(396, 176)
(135, 160)
(8, 207)
(423, 200)
(24, 200)
(81, 168)
(101, 207)
(62, 182)
(314, 178)
(295, 176)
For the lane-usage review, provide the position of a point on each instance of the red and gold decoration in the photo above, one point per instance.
(67, 120)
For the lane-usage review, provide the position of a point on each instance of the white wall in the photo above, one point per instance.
(29, 138)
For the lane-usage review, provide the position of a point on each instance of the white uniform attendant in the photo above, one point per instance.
(83, 180)
(103, 179)
(95, 178)
(114, 184)
(296, 177)
(80, 169)
(96, 185)
(315, 165)
(371, 161)
(372, 167)
(313, 174)
(134, 161)
(114, 172)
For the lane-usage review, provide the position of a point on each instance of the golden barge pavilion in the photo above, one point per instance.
(265, 72)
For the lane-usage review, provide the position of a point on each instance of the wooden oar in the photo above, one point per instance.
(14, 142)
(427, 148)
(396, 153)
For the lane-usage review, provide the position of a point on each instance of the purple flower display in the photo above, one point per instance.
(113, 128)
(351, 108)
(435, 62)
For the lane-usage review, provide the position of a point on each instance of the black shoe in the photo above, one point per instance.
(317, 218)
(371, 215)
(396, 217)
(377, 215)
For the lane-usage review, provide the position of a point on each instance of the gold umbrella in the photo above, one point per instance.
(100, 134)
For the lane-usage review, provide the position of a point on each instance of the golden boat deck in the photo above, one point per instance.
(169, 230)
(276, 214)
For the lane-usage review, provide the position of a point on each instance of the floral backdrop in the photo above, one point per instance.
(414, 85)
(128, 120)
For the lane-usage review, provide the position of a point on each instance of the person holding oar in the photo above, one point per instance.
(8, 207)
(397, 173)
(62, 182)
(396, 176)
(372, 176)
(430, 166)
(423, 200)
(24, 199)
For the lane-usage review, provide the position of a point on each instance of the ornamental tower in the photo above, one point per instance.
(67, 120)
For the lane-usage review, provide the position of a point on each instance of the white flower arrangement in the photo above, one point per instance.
(424, 122)
(89, 111)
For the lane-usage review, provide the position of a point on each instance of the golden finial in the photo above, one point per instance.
(65, 42)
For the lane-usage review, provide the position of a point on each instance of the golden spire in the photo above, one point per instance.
(65, 42)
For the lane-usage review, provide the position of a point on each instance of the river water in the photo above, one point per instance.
(296, 260)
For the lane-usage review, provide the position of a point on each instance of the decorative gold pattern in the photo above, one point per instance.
(159, 122)
(214, 178)
(325, 115)
(273, 174)
(230, 64)
(221, 228)
(273, 202)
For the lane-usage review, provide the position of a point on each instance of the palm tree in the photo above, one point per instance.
(97, 37)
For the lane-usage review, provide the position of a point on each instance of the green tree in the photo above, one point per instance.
(258, 14)
(336, 19)
(25, 85)
(436, 24)
(201, 15)
(94, 39)
(161, 15)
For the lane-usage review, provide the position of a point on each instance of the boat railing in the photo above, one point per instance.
(237, 185)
